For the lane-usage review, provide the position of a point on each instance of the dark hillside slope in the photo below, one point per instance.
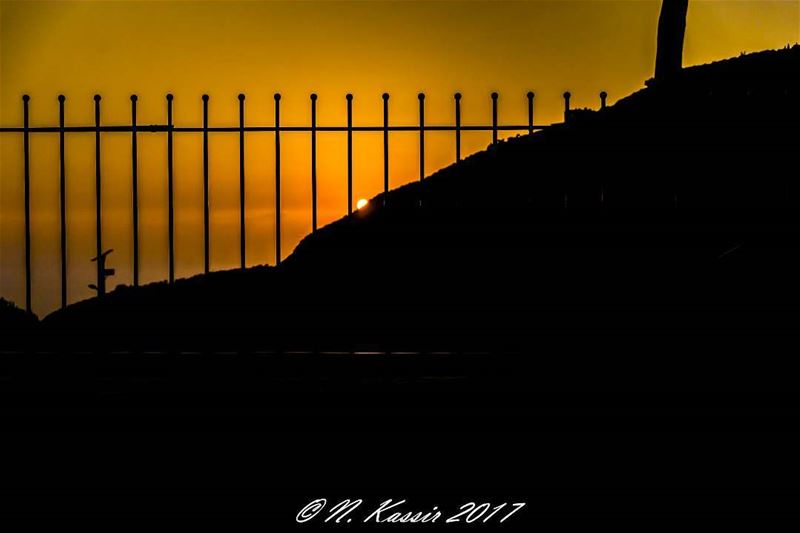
(16, 322)
(670, 215)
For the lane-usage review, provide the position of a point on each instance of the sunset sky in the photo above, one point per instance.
(188, 48)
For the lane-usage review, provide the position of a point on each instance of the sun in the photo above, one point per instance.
(361, 203)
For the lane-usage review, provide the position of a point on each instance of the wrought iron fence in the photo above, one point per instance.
(134, 128)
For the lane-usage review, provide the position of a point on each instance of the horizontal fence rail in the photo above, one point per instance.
(134, 128)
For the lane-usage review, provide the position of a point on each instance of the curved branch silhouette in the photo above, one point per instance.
(671, 33)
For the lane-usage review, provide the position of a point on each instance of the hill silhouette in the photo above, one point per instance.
(676, 200)
(16, 322)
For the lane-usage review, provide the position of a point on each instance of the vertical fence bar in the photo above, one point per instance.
(135, 189)
(242, 236)
(603, 96)
(530, 95)
(206, 231)
(313, 162)
(421, 97)
(277, 179)
(458, 126)
(567, 96)
(494, 118)
(385, 146)
(62, 189)
(98, 197)
(27, 184)
(170, 192)
(349, 153)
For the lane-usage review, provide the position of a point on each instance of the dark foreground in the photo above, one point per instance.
(589, 429)
(617, 300)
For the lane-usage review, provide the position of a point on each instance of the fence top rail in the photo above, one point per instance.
(155, 128)
(159, 128)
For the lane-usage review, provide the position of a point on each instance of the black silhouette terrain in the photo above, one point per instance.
(666, 211)
(635, 269)
(16, 322)
(664, 225)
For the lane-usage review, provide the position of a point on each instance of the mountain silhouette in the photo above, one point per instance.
(674, 208)
(15, 322)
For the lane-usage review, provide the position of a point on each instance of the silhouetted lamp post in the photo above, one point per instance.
(102, 272)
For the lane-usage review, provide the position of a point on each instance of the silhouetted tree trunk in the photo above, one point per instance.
(671, 31)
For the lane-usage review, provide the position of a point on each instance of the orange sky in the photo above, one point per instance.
(116, 48)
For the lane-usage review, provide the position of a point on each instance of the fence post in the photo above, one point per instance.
(277, 179)
(206, 222)
(62, 199)
(135, 190)
(567, 96)
(27, 184)
(242, 229)
(457, 97)
(494, 118)
(385, 146)
(531, 96)
(349, 98)
(313, 162)
(603, 97)
(98, 196)
(421, 97)
(170, 193)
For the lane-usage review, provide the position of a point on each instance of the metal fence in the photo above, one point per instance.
(170, 129)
